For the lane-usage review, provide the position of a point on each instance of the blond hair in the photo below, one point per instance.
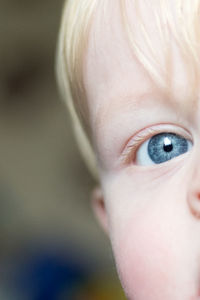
(182, 22)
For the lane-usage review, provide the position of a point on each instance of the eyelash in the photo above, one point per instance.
(129, 153)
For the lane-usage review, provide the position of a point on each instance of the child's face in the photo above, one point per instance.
(151, 202)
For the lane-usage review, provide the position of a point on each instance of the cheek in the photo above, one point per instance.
(154, 238)
(144, 260)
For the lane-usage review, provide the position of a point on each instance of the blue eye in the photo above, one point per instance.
(161, 148)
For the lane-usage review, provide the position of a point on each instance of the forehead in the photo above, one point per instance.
(114, 78)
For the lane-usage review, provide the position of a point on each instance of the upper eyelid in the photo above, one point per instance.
(144, 134)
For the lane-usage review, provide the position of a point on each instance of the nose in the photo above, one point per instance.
(194, 192)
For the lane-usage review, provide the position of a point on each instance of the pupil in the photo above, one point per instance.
(168, 147)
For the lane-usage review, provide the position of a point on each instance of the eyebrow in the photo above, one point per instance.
(137, 101)
(131, 102)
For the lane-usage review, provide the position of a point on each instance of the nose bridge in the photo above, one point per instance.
(193, 196)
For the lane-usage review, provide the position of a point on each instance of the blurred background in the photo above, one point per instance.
(51, 246)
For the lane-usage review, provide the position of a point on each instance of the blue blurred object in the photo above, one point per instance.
(47, 276)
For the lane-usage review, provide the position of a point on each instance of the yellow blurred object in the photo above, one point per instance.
(101, 289)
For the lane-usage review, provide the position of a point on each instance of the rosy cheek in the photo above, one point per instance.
(144, 261)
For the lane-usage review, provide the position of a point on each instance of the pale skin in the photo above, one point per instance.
(149, 210)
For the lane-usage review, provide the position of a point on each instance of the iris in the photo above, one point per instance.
(165, 146)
